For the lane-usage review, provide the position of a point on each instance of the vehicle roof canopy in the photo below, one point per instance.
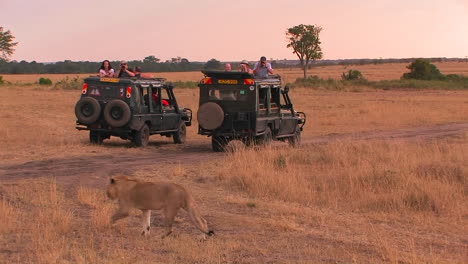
(228, 74)
(272, 79)
(156, 82)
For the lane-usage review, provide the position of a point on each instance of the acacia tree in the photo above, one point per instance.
(305, 42)
(151, 59)
(213, 64)
(6, 44)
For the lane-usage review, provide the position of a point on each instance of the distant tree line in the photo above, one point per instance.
(67, 66)
(151, 64)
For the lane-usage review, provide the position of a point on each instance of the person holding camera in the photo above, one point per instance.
(244, 66)
(124, 71)
(262, 68)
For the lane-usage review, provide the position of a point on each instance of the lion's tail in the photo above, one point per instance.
(197, 219)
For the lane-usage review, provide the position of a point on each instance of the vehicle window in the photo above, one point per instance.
(227, 94)
(165, 97)
(262, 97)
(275, 96)
(144, 93)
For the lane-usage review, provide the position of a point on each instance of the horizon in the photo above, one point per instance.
(280, 60)
(202, 30)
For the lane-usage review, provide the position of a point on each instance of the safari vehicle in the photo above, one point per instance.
(236, 106)
(130, 108)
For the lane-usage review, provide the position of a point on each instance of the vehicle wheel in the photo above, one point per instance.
(96, 137)
(219, 143)
(295, 141)
(87, 110)
(117, 113)
(266, 138)
(210, 116)
(141, 138)
(180, 135)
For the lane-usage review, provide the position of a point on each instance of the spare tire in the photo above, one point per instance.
(117, 113)
(87, 110)
(210, 116)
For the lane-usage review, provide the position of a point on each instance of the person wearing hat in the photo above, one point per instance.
(124, 71)
(245, 67)
(262, 68)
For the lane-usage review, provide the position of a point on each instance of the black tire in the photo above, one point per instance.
(96, 137)
(141, 138)
(210, 116)
(87, 110)
(218, 144)
(266, 138)
(117, 113)
(180, 135)
(295, 141)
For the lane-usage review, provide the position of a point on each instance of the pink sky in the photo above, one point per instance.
(57, 30)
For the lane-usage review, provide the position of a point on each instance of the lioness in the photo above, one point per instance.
(147, 196)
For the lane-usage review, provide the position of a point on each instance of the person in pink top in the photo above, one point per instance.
(106, 69)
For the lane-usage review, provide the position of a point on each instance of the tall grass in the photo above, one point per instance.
(450, 83)
(364, 176)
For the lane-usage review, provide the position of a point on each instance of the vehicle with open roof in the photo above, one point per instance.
(130, 108)
(237, 106)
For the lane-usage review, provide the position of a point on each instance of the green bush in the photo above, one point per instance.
(352, 75)
(45, 81)
(1, 80)
(69, 84)
(422, 69)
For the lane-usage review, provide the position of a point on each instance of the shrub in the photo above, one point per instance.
(45, 81)
(352, 75)
(69, 84)
(422, 69)
(1, 80)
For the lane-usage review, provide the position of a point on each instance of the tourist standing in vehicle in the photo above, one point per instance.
(139, 74)
(106, 69)
(137, 71)
(124, 71)
(227, 67)
(262, 68)
(245, 67)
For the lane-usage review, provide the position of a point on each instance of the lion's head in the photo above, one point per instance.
(116, 184)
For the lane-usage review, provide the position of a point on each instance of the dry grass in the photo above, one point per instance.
(364, 202)
(357, 176)
(340, 202)
(39, 122)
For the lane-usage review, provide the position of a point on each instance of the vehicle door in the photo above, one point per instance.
(288, 121)
(171, 116)
(155, 115)
(262, 108)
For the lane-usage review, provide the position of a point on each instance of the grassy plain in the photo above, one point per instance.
(389, 201)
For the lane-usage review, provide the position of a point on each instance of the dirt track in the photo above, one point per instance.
(93, 169)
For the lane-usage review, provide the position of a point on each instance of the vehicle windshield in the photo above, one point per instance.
(227, 94)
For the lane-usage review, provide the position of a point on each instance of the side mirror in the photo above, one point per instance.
(286, 89)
